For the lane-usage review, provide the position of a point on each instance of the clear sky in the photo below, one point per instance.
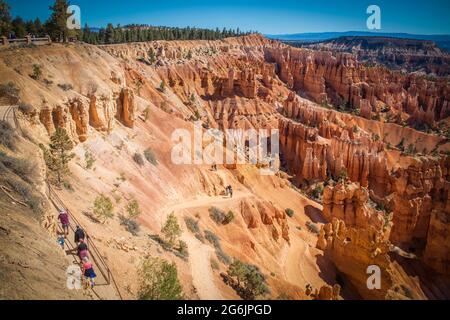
(268, 17)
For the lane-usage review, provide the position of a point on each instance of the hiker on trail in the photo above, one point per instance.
(88, 271)
(61, 240)
(79, 234)
(82, 250)
(64, 219)
(229, 191)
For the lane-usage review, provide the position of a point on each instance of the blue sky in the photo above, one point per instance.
(269, 17)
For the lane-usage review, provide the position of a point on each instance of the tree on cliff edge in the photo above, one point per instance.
(5, 19)
(56, 25)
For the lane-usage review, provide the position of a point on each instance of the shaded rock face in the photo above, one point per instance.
(341, 80)
(126, 107)
(421, 209)
(348, 202)
(352, 250)
(317, 145)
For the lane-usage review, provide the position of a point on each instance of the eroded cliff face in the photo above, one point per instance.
(127, 98)
(354, 249)
(402, 54)
(341, 80)
(349, 202)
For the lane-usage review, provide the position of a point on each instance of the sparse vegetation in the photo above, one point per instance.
(251, 283)
(312, 227)
(89, 159)
(171, 229)
(215, 241)
(289, 212)
(159, 280)
(65, 86)
(9, 92)
(400, 145)
(7, 135)
(217, 215)
(229, 217)
(162, 86)
(133, 209)
(150, 156)
(146, 114)
(103, 208)
(37, 72)
(26, 109)
(192, 225)
(137, 157)
(131, 225)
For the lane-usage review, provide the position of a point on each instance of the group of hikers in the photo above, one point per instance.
(81, 250)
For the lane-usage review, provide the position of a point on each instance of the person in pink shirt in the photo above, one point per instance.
(63, 218)
(88, 271)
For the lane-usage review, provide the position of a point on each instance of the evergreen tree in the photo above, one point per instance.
(109, 34)
(57, 24)
(39, 27)
(30, 28)
(19, 28)
(171, 228)
(5, 19)
(58, 156)
(159, 280)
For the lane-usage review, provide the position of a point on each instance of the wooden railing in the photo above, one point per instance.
(27, 40)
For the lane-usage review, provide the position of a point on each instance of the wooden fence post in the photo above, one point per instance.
(5, 41)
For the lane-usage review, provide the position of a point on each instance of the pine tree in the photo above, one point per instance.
(19, 28)
(58, 156)
(171, 228)
(159, 280)
(57, 24)
(5, 19)
(109, 34)
(39, 27)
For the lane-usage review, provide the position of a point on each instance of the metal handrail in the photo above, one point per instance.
(107, 274)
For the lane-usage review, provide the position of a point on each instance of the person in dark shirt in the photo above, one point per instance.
(79, 234)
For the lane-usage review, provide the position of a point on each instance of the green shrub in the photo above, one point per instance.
(229, 217)
(150, 156)
(89, 159)
(312, 227)
(37, 72)
(24, 168)
(133, 209)
(289, 212)
(29, 196)
(10, 92)
(164, 244)
(7, 135)
(214, 264)
(137, 157)
(103, 208)
(192, 224)
(171, 229)
(131, 225)
(159, 280)
(26, 109)
(65, 86)
(250, 279)
(217, 215)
